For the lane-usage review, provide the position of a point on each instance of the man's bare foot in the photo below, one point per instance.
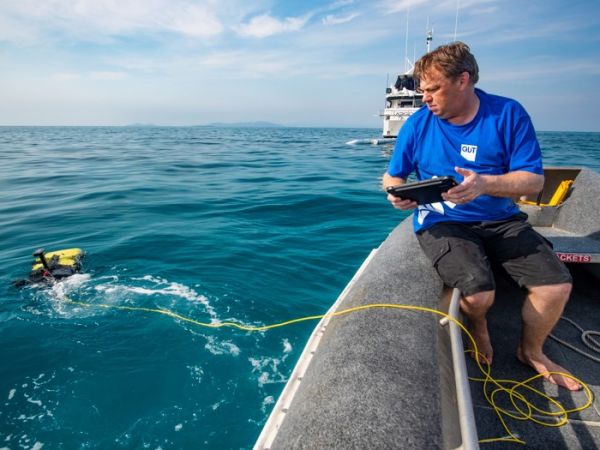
(543, 365)
(484, 344)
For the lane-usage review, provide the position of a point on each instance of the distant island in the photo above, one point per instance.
(258, 124)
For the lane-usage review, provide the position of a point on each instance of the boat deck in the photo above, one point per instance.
(583, 429)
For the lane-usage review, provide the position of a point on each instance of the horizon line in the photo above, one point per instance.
(238, 125)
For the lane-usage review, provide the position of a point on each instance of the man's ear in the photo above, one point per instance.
(464, 79)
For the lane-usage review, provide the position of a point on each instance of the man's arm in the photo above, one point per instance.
(389, 180)
(512, 184)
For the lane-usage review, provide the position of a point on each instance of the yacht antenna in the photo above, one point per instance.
(456, 21)
(406, 42)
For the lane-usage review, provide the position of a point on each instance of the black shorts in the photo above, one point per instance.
(463, 254)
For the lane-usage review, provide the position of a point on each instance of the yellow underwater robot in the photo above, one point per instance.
(53, 266)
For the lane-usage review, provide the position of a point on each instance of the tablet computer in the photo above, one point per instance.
(423, 192)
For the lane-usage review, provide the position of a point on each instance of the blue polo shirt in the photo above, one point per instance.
(499, 139)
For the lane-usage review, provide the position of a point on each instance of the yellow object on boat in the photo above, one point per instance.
(557, 198)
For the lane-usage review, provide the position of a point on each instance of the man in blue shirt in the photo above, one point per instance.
(489, 145)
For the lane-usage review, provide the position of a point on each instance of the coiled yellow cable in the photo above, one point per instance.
(509, 387)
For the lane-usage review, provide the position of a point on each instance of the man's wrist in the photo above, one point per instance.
(487, 183)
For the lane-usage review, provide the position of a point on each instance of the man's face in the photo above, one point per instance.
(443, 96)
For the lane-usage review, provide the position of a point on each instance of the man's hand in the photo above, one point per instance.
(401, 203)
(512, 184)
(397, 202)
(472, 187)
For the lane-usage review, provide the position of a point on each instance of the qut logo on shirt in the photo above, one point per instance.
(469, 152)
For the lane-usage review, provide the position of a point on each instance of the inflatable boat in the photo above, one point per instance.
(387, 378)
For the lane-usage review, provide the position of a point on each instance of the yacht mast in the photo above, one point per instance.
(429, 36)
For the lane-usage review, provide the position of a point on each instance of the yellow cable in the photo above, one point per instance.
(501, 386)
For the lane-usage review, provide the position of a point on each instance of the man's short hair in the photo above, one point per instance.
(451, 59)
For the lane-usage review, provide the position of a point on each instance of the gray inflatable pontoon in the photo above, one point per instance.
(387, 378)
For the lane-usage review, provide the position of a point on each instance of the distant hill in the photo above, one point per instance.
(258, 124)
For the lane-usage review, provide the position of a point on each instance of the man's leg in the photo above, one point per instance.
(475, 307)
(531, 262)
(541, 310)
(457, 253)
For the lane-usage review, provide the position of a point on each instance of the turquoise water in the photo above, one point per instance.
(254, 226)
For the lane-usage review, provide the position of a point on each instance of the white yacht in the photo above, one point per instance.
(402, 99)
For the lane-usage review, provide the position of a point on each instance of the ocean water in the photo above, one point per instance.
(254, 226)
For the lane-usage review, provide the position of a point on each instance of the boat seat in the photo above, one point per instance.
(572, 247)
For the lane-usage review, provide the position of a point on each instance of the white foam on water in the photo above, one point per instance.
(268, 368)
(216, 406)
(63, 287)
(287, 347)
(151, 278)
(161, 287)
(42, 401)
(178, 427)
(42, 379)
(269, 400)
(7, 316)
(196, 372)
(221, 347)
(35, 402)
(61, 291)
(366, 141)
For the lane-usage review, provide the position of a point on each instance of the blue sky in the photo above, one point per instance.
(298, 63)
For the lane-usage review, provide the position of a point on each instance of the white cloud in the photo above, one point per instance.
(336, 20)
(538, 68)
(448, 6)
(65, 76)
(108, 75)
(394, 6)
(245, 65)
(340, 3)
(95, 75)
(266, 25)
(94, 20)
(192, 20)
